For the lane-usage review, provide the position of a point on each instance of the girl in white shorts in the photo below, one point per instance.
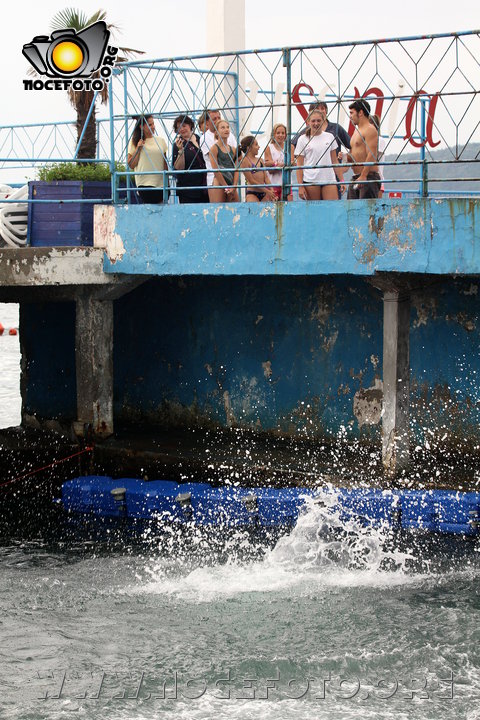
(317, 148)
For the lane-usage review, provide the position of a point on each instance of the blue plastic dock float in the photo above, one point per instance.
(440, 511)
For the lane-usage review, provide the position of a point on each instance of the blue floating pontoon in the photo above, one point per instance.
(442, 511)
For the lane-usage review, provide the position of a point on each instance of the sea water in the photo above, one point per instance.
(10, 403)
(334, 621)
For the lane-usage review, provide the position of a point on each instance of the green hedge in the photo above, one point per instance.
(77, 171)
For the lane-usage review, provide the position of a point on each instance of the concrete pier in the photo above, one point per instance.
(319, 322)
(94, 364)
(396, 382)
(62, 275)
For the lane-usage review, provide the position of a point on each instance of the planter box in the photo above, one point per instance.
(63, 224)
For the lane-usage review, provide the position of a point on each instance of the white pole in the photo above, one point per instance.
(226, 33)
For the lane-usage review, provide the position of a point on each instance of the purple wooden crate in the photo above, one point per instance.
(63, 224)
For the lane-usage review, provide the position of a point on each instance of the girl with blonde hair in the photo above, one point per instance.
(275, 157)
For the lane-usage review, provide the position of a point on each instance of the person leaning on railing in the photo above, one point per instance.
(366, 180)
(382, 144)
(259, 188)
(187, 156)
(223, 158)
(342, 138)
(207, 141)
(275, 158)
(316, 151)
(147, 153)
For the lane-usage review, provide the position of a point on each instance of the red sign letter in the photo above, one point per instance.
(378, 106)
(296, 98)
(429, 128)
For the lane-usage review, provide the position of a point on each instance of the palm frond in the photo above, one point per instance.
(96, 17)
(82, 99)
(78, 20)
(69, 18)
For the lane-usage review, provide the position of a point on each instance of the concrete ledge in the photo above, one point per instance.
(58, 274)
(434, 236)
(52, 266)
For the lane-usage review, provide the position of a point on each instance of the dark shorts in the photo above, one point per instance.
(150, 195)
(257, 193)
(363, 191)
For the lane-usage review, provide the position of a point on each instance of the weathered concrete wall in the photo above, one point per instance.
(266, 353)
(47, 337)
(297, 355)
(349, 237)
(445, 361)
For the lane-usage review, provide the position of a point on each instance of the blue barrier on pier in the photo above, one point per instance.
(443, 511)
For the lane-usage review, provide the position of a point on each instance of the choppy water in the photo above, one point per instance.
(318, 627)
(10, 403)
(321, 626)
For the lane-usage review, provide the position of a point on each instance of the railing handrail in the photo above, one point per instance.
(377, 41)
(183, 86)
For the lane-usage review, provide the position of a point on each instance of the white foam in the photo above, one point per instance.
(324, 550)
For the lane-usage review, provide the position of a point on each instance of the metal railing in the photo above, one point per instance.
(424, 89)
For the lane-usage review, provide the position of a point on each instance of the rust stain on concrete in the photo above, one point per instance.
(367, 404)
(329, 342)
(324, 304)
(426, 308)
(464, 320)
(267, 369)
(386, 232)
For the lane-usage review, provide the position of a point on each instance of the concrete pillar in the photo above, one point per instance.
(225, 25)
(94, 363)
(396, 381)
(226, 33)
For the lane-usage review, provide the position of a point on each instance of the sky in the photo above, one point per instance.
(167, 28)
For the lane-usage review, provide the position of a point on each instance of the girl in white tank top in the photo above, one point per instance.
(275, 157)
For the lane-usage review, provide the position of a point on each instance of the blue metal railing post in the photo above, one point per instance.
(237, 100)
(125, 110)
(84, 129)
(424, 166)
(286, 170)
(112, 143)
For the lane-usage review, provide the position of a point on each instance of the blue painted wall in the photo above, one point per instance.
(355, 237)
(47, 335)
(268, 353)
(445, 359)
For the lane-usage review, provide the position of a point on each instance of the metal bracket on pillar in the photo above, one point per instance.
(396, 382)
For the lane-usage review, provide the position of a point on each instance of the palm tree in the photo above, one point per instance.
(82, 100)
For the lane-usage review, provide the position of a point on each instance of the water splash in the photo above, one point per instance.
(324, 550)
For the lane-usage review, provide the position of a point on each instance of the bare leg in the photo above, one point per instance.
(232, 196)
(216, 194)
(314, 192)
(329, 192)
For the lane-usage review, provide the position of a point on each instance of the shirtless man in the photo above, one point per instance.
(364, 150)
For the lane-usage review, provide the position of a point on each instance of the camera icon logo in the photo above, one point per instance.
(68, 54)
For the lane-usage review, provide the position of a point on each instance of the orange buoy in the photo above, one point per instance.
(1, 329)
(12, 331)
